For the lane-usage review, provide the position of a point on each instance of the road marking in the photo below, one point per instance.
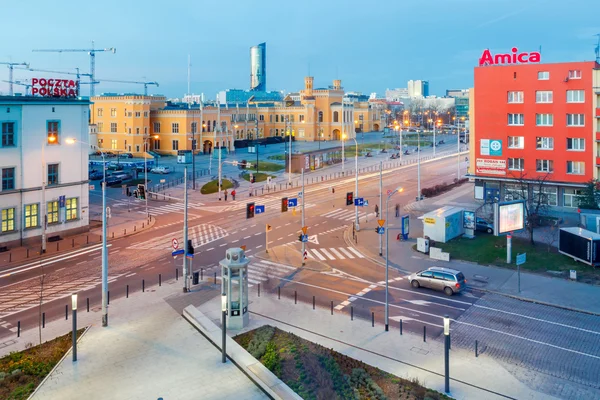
(259, 233)
(270, 242)
(243, 229)
(352, 249)
(290, 234)
(252, 226)
(235, 241)
(63, 268)
(258, 247)
(337, 253)
(317, 254)
(346, 252)
(246, 237)
(81, 262)
(127, 276)
(280, 238)
(327, 254)
(224, 244)
(212, 248)
(289, 223)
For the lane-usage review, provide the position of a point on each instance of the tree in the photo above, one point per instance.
(590, 198)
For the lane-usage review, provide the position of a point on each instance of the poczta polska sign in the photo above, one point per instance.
(514, 57)
(54, 87)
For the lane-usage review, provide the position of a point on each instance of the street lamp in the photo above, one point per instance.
(356, 182)
(104, 236)
(447, 354)
(146, 171)
(387, 251)
(74, 308)
(50, 139)
(287, 118)
(224, 327)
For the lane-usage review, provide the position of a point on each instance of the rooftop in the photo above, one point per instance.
(44, 100)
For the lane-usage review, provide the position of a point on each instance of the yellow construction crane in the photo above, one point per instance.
(92, 52)
(10, 72)
(134, 82)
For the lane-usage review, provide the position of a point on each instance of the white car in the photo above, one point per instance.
(161, 170)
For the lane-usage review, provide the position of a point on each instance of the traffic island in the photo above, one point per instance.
(213, 186)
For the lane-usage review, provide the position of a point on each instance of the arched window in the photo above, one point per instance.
(336, 117)
(276, 132)
(203, 127)
(320, 116)
(276, 118)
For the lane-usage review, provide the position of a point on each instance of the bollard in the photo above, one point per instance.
(127, 292)
(134, 228)
(87, 301)
(66, 312)
(351, 313)
(424, 333)
(73, 242)
(159, 280)
(215, 278)
(401, 327)
(295, 297)
(56, 246)
(259, 290)
(332, 307)
(18, 328)
(372, 318)
(201, 274)
(43, 320)
(143, 286)
(87, 239)
(278, 292)
(124, 232)
(108, 297)
(176, 274)
(313, 302)
(113, 234)
(27, 253)
(476, 352)
(142, 225)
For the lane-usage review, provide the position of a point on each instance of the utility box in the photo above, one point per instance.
(423, 245)
(580, 244)
(443, 224)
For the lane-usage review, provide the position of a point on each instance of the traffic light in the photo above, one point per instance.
(190, 248)
(249, 210)
(300, 237)
(135, 194)
(284, 204)
(141, 192)
(349, 198)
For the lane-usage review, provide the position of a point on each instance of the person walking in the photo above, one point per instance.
(233, 194)
(225, 193)
(397, 210)
(376, 210)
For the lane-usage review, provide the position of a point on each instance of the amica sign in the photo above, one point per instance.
(512, 58)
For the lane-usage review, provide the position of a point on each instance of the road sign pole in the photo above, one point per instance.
(303, 195)
(387, 252)
(185, 231)
(381, 204)
(508, 248)
(267, 239)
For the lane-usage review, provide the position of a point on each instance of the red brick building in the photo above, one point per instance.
(535, 121)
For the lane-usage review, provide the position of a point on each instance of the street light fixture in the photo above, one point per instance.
(74, 334)
(224, 327)
(447, 353)
(399, 189)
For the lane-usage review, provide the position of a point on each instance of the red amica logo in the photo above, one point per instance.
(512, 58)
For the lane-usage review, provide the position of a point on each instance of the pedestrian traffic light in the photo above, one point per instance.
(349, 198)
(284, 204)
(190, 248)
(249, 210)
(141, 192)
(300, 237)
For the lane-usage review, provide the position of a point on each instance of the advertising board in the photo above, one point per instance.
(511, 216)
(490, 166)
(469, 219)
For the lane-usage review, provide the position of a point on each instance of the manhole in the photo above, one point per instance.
(419, 350)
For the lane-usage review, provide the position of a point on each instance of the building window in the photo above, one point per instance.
(575, 120)
(575, 74)
(175, 145)
(515, 192)
(336, 117)
(575, 96)
(137, 131)
(515, 97)
(516, 164)
(544, 165)
(52, 131)
(157, 127)
(8, 134)
(544, 119)
(100, 111)
(8, 219)
(113, 127)
(575, 167)
(100, 127)
(113, 144)
(515, 119)
(549, 195)
(571, 197)
(156, 144)
(113, 112)
(194, 127)
(544, 143)
(138, 114)
(516, 142)
(543, 75)
(129, 114)
(261, 117)
(576, 144)
(8, 178)
(291, 118)
(320, 116)
(52, 212)
(543, 96)
(301, 117)
(32, 216)
(72, 209)
(145, 114)
(175, 127)
(52, 174)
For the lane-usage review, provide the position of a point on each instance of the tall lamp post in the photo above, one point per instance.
(356, 182)
(146, 171)
(458, 149)
(224, 327)
(387, 252)
(104, 235)
(49, 140)
(74, 334)
(447, 354)
(418, 165)
(289, 135)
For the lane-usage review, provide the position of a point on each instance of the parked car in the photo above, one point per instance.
(123, 176)
(110, 154)
(114, 167)
(112, 180)
(448, 280)
(140, 168)
(126, 155)
(482, 225)
(161, 170)
(95, 175)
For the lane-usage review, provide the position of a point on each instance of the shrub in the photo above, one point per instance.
(361, 380)
(341, 382)
(258, 344)
(271, 358)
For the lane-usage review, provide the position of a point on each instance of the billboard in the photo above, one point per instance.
(490, 147)
(490, 166)
(511, 216)
(469, 219)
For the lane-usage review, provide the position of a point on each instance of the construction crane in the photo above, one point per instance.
(77, 73)
(10, 72)
(134, 82)
(21, 83)
(92, 52)
(597, 49)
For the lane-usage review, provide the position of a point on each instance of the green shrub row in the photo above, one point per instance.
(258, 345)
(361, 381)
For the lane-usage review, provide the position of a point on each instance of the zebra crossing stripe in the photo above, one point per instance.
(317, 254)
(337, 253)
(330, 214)
(279, 265)
(346, 252)
(328, 254)
(352, 249)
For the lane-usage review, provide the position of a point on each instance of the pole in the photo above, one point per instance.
(146, 175)
(458, 153)
(519, 277)
(44, 206)
(193, 161)
(267, 239)
(419, 166)
(220, 171)
(508, 248)
(303, 194)
(401, 148)
(74, 335)
(387, 252)
(104, 249)
(289, 151)
(185, 233)
(381, 202)
(356, 184)
(434, 126)
(447, 363)
(256, 149)
(224, 335)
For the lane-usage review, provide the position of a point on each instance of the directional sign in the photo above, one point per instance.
(304, 238)
(176, 252)
(521, 258)
(259, 209)
(305, 255)
(304, 229)
(190, 256)
(366, 203)
(381, 222)
(292, 202)
(61, 201)
(175, 243)
(380, 230)
(359, 201)
(269, 228)
(300, 194)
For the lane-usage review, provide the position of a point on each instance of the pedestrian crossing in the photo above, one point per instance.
(263, 270)
(171, 207)
(200, 235)
(345, 214)
(333, 253)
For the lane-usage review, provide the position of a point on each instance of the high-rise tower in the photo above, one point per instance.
(258, 67)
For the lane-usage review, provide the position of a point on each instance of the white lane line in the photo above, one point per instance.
(81, 262)
(127, 276)
(247, 237)
(318, 254)
(212, 248)
(258, 247)
(289, 223)
(327, 254)
(259, 233)
(280, 238)
(243, 229)
(290, 234)
(235, 241)
(270, 242)
(252, 226)
(224, 244)
(346, 252)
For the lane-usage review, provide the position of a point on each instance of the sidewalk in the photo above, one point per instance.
(406, 356)
(534, 287)
(148, 351)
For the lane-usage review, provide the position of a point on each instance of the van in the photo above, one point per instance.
(446, 280)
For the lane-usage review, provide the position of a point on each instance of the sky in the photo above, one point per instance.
(369, 45)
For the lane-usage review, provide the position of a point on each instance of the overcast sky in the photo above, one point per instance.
(370, 45)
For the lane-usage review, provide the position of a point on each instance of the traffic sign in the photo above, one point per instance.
(381, 222)
(300, 194)
(304, 229)
(389, 192)
(305, 255)
(293, 202)
(366, 203)
(521, 258)
(61, 201)
(259, 209)
(305, 238)
(269, 228)
(359, 201)
(380, 230)
(92, 187)
(190, 256)
(175, 243)
(243, 247)
(176, 252)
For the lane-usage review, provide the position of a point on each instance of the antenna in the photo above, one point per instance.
(189, 74)
(597, 49)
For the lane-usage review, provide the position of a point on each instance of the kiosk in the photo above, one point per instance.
(234, 285)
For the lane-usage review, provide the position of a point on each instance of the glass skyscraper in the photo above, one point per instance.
(258, 67)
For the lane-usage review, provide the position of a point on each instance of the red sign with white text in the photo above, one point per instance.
(514, 57)
(54, 87)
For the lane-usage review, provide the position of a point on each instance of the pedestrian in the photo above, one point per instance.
(397, 210)
(232, 195)
(398, 237)
(376, 210)
(225, 193)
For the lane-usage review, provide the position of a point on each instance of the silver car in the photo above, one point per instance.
(448, 280)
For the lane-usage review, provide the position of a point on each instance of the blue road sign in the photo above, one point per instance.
(359, 201)
(61, 201)
(259, 209)
(292, 202)
(188, 255)
(381, 230)
(366, 203)
(305, 238)
(177, 252)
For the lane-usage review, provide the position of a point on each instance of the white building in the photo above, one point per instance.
(33, 148)
(396, 94)
(418, 88)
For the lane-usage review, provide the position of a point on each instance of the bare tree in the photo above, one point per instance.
(535, 199)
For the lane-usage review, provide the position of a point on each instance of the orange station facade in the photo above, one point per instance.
(533, 122)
